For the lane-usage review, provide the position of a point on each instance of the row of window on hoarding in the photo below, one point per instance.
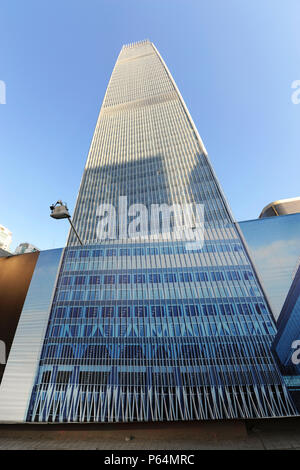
(172, 310)
(157, 278)
(153, 250)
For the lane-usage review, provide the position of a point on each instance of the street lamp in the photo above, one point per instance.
(60, 211)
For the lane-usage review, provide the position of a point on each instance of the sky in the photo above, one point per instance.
(234, 62)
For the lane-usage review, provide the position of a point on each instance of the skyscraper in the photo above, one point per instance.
(145, 145)
(154, 329)
(5, 238)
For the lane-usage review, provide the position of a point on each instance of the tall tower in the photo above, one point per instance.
(145, 146)
(145, 329)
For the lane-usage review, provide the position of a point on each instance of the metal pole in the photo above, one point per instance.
(69, 218)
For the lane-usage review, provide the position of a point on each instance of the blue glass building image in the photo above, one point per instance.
(274, 246)
(286, 345)
(139, 329)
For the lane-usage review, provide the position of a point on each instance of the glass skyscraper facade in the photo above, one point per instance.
(155, 329)
(274, 246)
(287, 340)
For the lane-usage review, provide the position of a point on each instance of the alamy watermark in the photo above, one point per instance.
(296, 354)
(2, 92)
(296, 94)
(183, 222)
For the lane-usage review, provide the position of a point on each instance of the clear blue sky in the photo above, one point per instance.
(234, 62)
